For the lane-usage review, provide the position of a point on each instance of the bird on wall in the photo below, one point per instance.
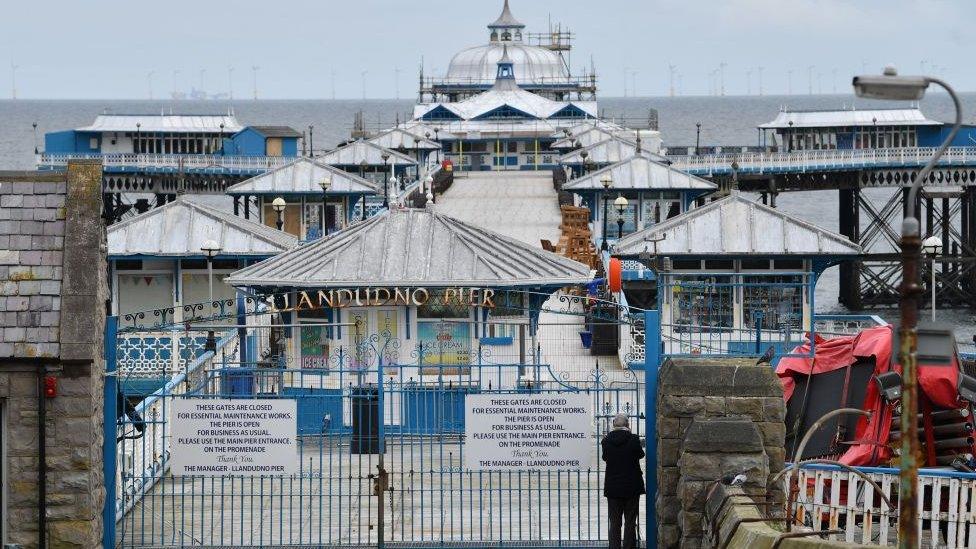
(767, 357)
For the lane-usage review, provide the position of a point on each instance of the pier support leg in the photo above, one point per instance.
(850, 226)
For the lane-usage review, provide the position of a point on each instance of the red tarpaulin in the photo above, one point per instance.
(938, 383)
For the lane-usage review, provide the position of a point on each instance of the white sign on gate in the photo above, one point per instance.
(518, 432)
(233, 437)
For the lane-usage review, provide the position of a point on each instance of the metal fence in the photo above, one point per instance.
(381, 446)
(834, 499)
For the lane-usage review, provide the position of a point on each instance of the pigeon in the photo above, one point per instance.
(734, 479)
(767, 357)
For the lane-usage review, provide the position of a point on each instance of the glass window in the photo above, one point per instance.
(777, 299)
(702, 303)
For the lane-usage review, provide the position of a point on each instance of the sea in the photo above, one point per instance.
(727, 120)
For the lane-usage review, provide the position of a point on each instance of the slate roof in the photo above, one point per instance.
(640, 173)
(351, 154)
(277, 131)
(608, 151)
(737, 226)
(166, 123)
(413, 247)
(840, 118)
(179, 229)
(586, 137)
(397, 138)
(302, 177)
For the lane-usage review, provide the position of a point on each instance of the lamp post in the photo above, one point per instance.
(890, 86)
(210, 248)
(325, 184)
(933, 247)
(278, 205)
(311, 141)
(221, 139)
(386, 187)
(34, 125)
(362, 174)
(697, 138)
(621, 204)
(606, 181)
(138, 137)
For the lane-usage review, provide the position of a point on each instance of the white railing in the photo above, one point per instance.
(142, 458)
(169, 161)
(831, 498)
(762, 162)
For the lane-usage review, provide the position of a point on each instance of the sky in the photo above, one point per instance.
(106, 49)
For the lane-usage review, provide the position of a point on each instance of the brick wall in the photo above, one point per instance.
(52, 294)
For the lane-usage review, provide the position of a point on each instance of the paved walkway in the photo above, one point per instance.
(522, 205)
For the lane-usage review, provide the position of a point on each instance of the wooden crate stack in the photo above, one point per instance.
(575, 242)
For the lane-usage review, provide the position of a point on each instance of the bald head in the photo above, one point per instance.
(621, 421)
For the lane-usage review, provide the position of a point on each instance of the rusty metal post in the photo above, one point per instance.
(907, 345)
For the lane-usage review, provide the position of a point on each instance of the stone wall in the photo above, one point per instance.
(734, 519)
(52, 306)
(691, 391)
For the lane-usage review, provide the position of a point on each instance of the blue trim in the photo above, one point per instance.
(651, 361)
(110, 398)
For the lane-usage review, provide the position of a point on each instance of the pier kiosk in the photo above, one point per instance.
(299, 184)
(731, 277)
(653, 192)
(160, 273)
(859, 129)
(413, 298)
(417, 145)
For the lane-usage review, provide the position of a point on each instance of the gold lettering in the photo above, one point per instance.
(486, 298)
(473, 296)
(348, 298)
(449, 293)
(304, 301)
(386, 298)
(426, 296)
(401, 297)
(326, 298)
(359, 298)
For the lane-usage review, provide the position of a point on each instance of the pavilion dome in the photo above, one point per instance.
(533, 65)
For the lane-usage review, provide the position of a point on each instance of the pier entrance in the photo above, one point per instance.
(381, 452)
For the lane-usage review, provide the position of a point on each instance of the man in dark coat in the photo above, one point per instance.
(623, 483)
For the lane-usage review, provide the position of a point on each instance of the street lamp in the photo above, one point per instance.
(909, 88)
(210, 248)
(393, 183)
(933, 247)
(311, 141)
(606, 181)
(386, 187)
(278, 205)
(34, 125)
(621, 204)
(221, 139)
(325, 184)
(429, 181)
(138, 137)
(697, 138)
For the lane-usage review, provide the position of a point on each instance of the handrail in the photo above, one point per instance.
(819, 159)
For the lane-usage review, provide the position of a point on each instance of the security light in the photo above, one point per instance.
(891, 86)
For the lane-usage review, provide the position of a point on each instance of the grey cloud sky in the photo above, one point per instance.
(105, 48)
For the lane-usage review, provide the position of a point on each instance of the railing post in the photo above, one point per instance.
(109, 422)
(652, 360)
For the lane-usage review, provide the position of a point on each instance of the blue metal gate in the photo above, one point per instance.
(381, 449)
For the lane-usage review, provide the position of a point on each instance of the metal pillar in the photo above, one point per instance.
(850, 287)
(109, 422)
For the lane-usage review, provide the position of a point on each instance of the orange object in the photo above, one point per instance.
(615, 275)
(447, 165)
